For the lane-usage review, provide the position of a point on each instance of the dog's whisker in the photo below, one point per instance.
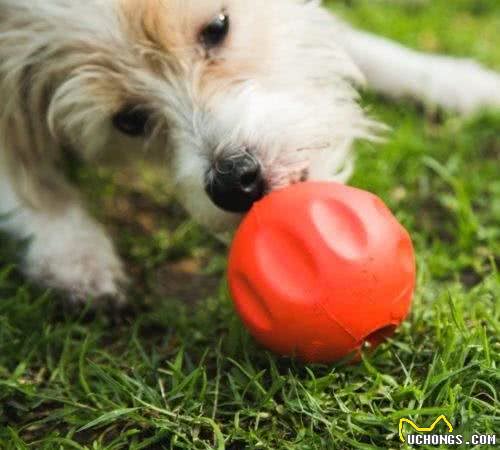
(322, 146)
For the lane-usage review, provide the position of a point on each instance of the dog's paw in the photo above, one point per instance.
(464, 86)
(81, 263)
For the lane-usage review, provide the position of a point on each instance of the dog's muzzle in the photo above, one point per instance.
(234, 183)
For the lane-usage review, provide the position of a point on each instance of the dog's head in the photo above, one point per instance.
(241, 96)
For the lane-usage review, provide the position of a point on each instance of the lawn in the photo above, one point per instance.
(178, 371)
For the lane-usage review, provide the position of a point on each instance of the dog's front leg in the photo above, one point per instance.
(67, 249)
(453, 83)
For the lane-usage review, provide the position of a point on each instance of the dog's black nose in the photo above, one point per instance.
(235, 183)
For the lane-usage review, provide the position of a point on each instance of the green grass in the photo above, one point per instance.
(172, 375)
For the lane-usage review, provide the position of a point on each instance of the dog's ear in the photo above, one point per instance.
(29, 150)
(33, 64)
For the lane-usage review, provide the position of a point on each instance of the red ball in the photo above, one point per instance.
(318, 269)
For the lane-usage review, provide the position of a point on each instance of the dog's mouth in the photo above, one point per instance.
(280, 174)
(272, 183)
(235, 181)
(291, 167)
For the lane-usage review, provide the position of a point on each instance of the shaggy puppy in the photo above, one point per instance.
(239, 97)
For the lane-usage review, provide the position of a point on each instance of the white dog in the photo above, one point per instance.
(239, 97)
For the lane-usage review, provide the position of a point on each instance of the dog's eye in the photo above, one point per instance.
(131, 121)
(215, 32)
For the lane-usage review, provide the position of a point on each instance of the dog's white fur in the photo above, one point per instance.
(283, 83)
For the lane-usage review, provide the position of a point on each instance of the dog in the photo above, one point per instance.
(237, 98)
